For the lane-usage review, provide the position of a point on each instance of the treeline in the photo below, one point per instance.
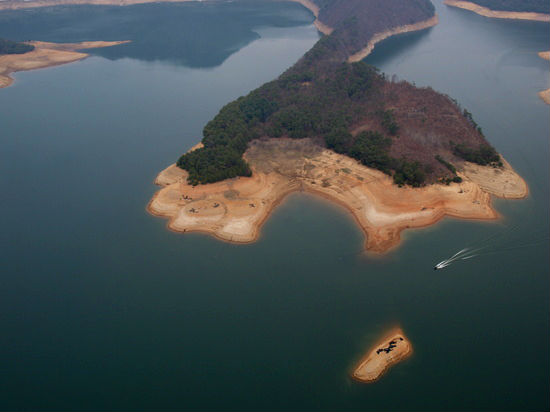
(452, 169)
(12, 47)
(483, 155)
(297, 105)
(372, 149)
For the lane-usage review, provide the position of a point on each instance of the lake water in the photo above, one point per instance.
(103, 308)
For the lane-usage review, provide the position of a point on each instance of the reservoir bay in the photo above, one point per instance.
(103, 308)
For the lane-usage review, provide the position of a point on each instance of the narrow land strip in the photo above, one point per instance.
(46, 55)
(484, 11)
(18, 4)
(308, 4)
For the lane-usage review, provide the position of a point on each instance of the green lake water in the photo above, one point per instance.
(103, 308)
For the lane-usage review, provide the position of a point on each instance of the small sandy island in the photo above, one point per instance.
(484, 11)
(545, 96)
(46, 55)
(235, 209)
(392, 349)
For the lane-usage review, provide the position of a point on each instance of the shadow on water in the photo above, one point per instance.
(396, 46)
(197, 35)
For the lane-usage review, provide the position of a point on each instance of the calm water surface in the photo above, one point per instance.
(103, 308)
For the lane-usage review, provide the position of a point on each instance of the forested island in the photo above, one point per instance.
(13, 47)
(395, 155)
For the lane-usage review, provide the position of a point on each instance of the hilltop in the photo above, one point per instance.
(415, 135)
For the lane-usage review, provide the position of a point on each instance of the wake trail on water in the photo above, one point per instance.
(497, 243)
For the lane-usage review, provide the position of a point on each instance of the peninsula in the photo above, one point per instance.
(43, 54)
(535, 10)
(391, 350)
(235, 209)
(396, 156)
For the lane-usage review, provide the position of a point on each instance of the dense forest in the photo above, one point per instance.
(537, 6)
(404, 131)
(12, 47)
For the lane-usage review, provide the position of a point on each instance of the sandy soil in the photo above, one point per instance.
(235, 209)
(484, 11)
(45, 55)
(545, 95)
(388, 33)
(372, 366)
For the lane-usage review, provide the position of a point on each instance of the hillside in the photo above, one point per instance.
(417, 136)
(355, 22)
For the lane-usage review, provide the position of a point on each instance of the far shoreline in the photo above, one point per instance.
(46, 55)
(498, 14)
(308, 4)
(545, 94)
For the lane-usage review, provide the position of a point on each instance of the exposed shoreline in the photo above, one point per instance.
(46, 55)
(545, 94)
(372, 366)
(308, 4)
(378, 37)
(497, 14)
(17, 5)
(235, 210)
(322, 27)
